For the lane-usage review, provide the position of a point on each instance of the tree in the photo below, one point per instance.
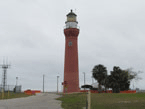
(119, 80)
(124, 81)
(100, 73)
(115, 79)
(133, 74)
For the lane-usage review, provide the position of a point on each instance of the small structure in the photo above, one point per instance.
(17, 89)
(31, 92)
(96, 85)
(87, 86)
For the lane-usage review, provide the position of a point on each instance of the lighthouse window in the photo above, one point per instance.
(70, 43)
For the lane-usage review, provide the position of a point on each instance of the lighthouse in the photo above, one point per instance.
(71, 66)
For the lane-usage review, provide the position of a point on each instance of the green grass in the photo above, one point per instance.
(13, 95)
(105, 101)
(73, 101)
(118, 101)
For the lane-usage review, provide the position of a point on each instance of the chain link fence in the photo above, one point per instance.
(11, 88)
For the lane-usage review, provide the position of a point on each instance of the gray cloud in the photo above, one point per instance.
(31, 36)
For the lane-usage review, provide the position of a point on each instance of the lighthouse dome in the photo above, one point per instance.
(71, 13)
(71, 17)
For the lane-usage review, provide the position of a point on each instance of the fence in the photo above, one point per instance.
(109, 91)
(11, 88)
(128, 91)
(140, 91)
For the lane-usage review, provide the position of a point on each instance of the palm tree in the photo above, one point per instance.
(100, 73)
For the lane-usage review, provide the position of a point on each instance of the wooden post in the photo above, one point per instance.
(89, 99)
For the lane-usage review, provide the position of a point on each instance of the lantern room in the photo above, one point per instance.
(71, 20)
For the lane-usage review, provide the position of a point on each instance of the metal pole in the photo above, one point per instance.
(92, 80)
(8, 92)
(57, 83)
(133, 84)
(2, 93)
(4, 79)
(43, 83)
(61, 88)
(84, 79)
(16, 81)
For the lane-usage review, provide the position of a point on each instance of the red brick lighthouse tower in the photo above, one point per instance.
(71, 73)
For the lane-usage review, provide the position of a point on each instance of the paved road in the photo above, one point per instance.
(40, 101)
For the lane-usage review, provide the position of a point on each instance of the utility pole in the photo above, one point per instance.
(16, 81)
(84, 79)
(92, 80)
(133, 85)
(43, 83)
(57, 83)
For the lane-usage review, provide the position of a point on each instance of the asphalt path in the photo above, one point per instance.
(40, 101)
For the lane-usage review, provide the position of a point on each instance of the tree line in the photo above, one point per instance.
(118, 80)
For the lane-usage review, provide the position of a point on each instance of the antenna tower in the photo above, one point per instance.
(4, 76)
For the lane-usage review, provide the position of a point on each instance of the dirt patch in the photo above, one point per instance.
(124, 102)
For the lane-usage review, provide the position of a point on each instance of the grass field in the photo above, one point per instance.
(13, 95)
(105, 101)
(73, 101)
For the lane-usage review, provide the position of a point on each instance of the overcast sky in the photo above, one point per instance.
(31, 37)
